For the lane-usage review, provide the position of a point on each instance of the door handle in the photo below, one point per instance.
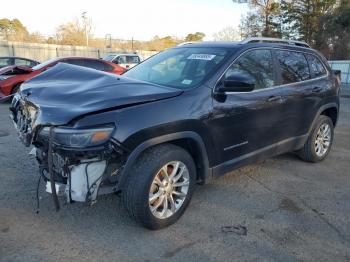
(276, 99)
(316, 89)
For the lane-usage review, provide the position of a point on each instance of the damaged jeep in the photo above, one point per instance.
(180, 118)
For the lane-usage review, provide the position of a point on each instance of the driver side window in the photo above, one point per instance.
(256, 65)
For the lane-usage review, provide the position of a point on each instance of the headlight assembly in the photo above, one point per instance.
(79, 138)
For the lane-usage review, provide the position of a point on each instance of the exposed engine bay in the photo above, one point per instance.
(78, 173)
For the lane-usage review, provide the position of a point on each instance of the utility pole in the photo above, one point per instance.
(83, 16)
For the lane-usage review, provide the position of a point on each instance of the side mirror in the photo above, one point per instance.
(237, 83)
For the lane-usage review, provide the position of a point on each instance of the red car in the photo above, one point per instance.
(11, 77)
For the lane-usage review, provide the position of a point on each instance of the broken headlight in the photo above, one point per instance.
(73, 137)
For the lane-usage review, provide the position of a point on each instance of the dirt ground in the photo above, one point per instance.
(282, 209)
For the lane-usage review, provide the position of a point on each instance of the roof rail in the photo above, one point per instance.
(274, 40)
(187, 43)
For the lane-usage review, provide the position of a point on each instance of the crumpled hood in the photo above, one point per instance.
(6, 69)
(65, 92)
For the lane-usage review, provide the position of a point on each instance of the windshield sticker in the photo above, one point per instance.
(186, 82)
(207, 57)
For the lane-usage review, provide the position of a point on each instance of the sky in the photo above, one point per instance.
(129, 18)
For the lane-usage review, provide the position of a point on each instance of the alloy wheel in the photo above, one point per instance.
(323, 140)
(169, 189)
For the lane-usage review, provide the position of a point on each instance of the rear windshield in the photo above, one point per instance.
(179, 67)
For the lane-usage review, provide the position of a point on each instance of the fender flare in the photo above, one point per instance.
(320, 110)
(207, 174)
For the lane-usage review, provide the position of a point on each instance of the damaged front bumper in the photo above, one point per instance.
(80, 163)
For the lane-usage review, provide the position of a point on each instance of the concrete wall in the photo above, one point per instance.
(42, 52)
(344, 67)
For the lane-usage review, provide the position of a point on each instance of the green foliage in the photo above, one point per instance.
(262, 20)
(324, 24)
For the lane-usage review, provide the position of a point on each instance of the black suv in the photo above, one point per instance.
(184, 116)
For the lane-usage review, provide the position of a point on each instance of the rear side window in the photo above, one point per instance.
(294, 67)
(316, 67)
(256, 65)
(95, 65)
(5, 62)
(132, 60)
(107, 67)
(23, 62)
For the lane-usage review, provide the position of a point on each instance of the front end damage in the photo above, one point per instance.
(79, 164)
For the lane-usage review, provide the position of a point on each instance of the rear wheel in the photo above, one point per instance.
(160, 186)
(320, 141)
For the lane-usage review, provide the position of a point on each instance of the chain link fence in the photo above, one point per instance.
(43, 52)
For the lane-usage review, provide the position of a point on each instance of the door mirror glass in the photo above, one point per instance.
(238, 83)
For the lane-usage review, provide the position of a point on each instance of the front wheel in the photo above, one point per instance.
(15, 89)
(160, 186)
(320, 141)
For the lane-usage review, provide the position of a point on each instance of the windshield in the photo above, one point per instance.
(46, 63)
(179, 67)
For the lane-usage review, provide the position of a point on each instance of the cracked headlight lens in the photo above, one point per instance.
(72, 137)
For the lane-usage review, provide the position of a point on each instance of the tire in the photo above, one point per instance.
(309, 152)
(141, 185)
(15, 89)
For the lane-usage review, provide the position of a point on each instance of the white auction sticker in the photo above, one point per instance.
(201, 57)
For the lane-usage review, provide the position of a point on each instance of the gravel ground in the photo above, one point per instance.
(282, 209)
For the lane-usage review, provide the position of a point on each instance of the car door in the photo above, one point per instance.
(305, 88)
(244, 122)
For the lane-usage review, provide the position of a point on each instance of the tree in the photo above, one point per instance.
(198, 36)
(251, 25)
(74, 32)
(262, 20)
(304, 19)
(13, 30)
(337, 32)
(228, 33)
(159, 44)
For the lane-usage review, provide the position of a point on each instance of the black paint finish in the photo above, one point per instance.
(229, 129)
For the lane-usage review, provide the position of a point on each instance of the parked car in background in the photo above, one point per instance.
(124, 61)
(184, 116)
(14, 60)
(11, 77)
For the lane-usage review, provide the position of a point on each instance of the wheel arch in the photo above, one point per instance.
(332, 113)
(330, 109)
(17, 85)
(188, 140)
